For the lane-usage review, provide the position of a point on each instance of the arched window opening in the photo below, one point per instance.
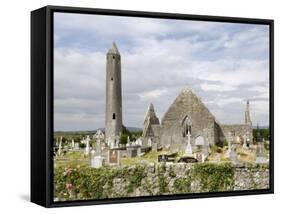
(113, 116)
(186, 126)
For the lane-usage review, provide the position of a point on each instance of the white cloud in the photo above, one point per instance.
(204, 56)
(217, 87)
(154, 94)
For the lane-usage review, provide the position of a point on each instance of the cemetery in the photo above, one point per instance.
(92, 169)
(189, 151)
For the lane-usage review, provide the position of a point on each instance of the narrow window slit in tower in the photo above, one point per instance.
(113, 116)
(111, 78)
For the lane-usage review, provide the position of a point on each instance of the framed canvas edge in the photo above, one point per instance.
(49, 102)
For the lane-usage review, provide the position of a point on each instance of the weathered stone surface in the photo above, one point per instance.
(188, 115)
(113, 116)
(166, 177)
(151, 126)
(187, 104)
(237, 130)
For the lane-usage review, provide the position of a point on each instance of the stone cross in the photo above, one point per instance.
(98, 136)
(229, 144)
(232, 151)
(87, 148)
(60, 146)
(57, 142)
(72, 144)
(245, 141)
(188, 150)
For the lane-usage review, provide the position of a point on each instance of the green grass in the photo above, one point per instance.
(72, 159)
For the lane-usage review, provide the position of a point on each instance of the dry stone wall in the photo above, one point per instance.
(157, 179)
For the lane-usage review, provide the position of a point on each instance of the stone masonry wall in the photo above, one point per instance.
(237, 130)
(157, 179)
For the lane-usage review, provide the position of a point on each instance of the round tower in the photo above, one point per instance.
(113, 114)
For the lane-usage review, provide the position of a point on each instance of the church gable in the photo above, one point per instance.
(150, 120)
(186, 113)
(188, 104)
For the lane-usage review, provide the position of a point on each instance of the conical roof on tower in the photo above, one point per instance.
(113, 49)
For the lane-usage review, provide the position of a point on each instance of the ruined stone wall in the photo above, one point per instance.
(186, 104)
(237, 130)
(158, 179)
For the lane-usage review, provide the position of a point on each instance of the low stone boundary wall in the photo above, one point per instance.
(80, 183)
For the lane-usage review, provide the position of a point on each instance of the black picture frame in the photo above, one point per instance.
(42, 103)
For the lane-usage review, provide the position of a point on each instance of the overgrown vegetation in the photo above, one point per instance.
(162, 183)
(207, 177)
(214, 177)
(264, 133)
(82, 182)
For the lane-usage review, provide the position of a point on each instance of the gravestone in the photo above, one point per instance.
(154, 147)
(200, 157)
(139, 142)
(230, 139)
(162, 158)
(113, 157)
(87, 148)
(60, 146)
(205, 150)
(57, 142)
(97, 160)
(132, 151)
(76, 146)
(233, 157)
(245, 142)
(72, 144)
(149, 142)
(261, 158)
(199, 141)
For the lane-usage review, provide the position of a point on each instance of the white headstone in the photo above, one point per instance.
(76, 146)
(72, 144)
(128, 140)
(87, 148)
(199, 141)
(261, 158)
(149, 142)
(60, 146)
(229, 144)
(97, 162)
(138, 151)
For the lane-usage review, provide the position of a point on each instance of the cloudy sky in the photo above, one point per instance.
(224, 63)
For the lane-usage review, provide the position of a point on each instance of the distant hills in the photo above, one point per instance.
(261, 127)
(131, 129)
